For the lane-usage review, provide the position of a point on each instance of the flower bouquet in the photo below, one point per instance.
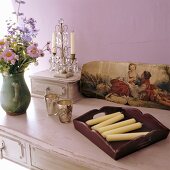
(17, 51)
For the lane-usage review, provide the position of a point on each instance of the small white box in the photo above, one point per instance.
(44, 81)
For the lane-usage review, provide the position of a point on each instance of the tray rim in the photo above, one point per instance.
(152, 137)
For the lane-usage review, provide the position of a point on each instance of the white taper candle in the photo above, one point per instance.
(123, 129)
(53, 44)
(72, 42)
(108, 121)
(116, 125)
(101, 118)
(125, 136)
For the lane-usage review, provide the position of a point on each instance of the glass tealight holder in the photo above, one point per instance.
(64, 110)
(51, 100)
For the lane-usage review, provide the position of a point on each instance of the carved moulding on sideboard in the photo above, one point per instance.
(135, 84)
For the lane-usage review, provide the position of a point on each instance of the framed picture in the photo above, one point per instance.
(135, 84)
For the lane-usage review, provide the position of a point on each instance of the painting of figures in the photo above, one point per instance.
(135, 84)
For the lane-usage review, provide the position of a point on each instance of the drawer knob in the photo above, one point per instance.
(2, 146)
(63, 90)
(47, 91)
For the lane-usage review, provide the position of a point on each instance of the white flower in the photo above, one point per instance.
(16, 57)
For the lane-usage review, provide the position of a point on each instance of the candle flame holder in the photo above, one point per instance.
(62, 62)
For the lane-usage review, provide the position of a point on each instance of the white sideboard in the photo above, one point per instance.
(40, 142)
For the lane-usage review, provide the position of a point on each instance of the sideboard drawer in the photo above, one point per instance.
(40, 87)
(44, 81)
(48, 161)
(13, 149)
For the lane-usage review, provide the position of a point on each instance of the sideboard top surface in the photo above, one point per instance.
(37, 127)
(50, 75)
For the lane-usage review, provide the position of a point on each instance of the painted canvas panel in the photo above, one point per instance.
(135, 84)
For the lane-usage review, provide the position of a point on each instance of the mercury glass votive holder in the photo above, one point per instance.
(64, 110)
(51, 103)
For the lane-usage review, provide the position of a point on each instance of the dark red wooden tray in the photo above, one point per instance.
(118, 150)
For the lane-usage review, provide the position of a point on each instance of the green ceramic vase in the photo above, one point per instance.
(15, 95)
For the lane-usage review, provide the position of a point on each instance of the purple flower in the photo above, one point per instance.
(26, 38)
(33, 51)
(8, 55)
(30, 23)
(17, 49)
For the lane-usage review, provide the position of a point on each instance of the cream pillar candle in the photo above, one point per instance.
(123, 129)
(72, 42)
(116, 125)
(53, 44)
(108, 121)
(125, 136)
(101, 118)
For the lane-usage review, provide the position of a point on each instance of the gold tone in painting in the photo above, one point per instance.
(136, 84)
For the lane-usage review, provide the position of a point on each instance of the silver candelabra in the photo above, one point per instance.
(63, 62)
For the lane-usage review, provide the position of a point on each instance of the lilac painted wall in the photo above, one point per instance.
(116, 30)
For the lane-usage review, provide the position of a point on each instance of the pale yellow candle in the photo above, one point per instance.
(116, 125)
(53, 44)
(123, 129)
(108, 121)
(101, 118)
(72, 42)
(125, 136)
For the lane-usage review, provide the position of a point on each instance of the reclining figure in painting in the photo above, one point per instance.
(134, 84)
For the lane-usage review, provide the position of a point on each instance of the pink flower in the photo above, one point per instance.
(17, 57)
(33, 51)
(8, 55)
(13, 62)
